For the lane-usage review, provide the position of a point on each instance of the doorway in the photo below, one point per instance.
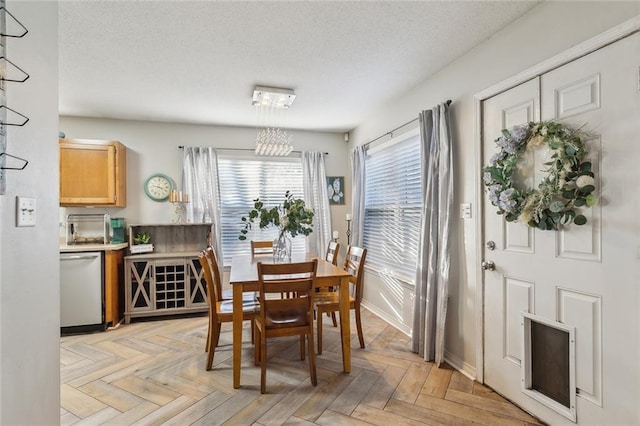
(582, 276)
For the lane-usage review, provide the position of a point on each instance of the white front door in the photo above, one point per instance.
(585, 276)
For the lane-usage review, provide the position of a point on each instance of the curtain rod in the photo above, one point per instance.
(252, 150)
(390, 132)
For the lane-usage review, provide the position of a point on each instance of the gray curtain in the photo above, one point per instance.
(317, 199)
(200, 181)
(357, 195)
(432, 277)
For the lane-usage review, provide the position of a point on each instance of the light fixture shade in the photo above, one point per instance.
(273, 97)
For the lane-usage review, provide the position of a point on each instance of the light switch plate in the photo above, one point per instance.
(25, 211)
(465, 211)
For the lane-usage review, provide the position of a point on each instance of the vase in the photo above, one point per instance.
(282, 248)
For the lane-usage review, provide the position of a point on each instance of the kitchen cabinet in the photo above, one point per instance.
(113, 285)
(164, 284)
(168, 280)
(92, 173)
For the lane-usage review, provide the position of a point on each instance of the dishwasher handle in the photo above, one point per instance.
(79, 257)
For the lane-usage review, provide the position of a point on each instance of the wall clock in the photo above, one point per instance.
(158, 187)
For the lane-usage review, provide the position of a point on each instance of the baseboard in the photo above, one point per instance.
(464, 368)
(385, 317)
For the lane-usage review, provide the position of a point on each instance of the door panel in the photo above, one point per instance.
(507, 291)
(585, 312)
(583, 276)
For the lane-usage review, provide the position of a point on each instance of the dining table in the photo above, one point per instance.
(244, 278)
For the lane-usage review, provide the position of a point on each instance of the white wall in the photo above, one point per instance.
(546, 30)
(29, 266)
(153, 147)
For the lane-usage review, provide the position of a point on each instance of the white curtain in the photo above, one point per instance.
(200, 182)
(317, 199)
(432, 277)
(358, 157)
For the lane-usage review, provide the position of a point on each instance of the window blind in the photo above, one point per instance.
(393, 204)
(242, 180)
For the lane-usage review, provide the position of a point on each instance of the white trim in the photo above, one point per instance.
(610, 36)
(479, 236)
(464, 368)
(386, 318)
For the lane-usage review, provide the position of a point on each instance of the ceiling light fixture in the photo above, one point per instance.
(273, 97)
(271, 103)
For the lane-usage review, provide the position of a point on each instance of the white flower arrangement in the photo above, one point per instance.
(569, 184)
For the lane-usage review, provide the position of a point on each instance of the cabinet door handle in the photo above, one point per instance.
(78, 257)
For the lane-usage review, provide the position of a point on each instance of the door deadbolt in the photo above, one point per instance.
(491, 245)
(488, 265)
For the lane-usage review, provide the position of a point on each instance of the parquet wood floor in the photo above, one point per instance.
(152, 373)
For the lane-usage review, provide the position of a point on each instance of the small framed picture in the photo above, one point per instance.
(335, 189)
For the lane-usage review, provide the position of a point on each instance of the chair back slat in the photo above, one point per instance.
(332, 253)
(354, 264)
(261, 247)
(216, 275)
(203, 258)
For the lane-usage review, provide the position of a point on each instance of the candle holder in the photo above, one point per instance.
(179, 201)
(349, 231)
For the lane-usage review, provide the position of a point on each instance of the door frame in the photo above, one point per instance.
(608, 37)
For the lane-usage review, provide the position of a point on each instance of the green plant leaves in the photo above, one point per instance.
(579, 202)
(142, 238)
(585, 167)
(291, 216)
(556, 206)
(580, 220)
(586, 189)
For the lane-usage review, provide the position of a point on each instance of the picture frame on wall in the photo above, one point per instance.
(335, 189)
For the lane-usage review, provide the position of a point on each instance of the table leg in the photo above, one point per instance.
(237, 334)
(345, 324)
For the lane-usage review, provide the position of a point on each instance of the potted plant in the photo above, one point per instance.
(141, 243)
(292, 218)
(142, 238)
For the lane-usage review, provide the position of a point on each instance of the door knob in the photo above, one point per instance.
(488, 265)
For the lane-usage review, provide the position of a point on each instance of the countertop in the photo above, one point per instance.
(64, 248)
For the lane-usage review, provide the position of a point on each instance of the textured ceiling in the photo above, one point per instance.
(198, 61)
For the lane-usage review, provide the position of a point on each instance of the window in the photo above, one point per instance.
(393, 204)
(242, 180)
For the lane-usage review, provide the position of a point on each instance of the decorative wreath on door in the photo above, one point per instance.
(569, 183)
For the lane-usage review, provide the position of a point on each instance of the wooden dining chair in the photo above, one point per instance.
(261, 247)
(330, 301)
(220, 310)
(331, 256)
(292, 316)
(227, 294)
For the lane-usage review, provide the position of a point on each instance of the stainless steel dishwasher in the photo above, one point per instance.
(81, 292)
